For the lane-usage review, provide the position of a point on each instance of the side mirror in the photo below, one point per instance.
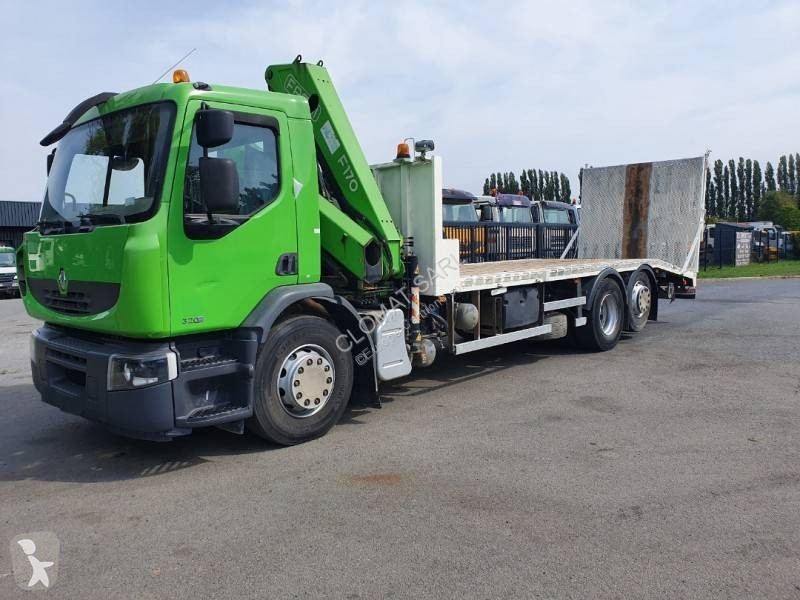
(213, 127)
(219, 185)
(486, 213)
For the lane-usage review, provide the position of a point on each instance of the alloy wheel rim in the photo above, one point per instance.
(641, 299)
(305, 381)
(609, 314)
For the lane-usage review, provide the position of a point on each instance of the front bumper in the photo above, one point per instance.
(9, 287)
(71, 373)
(214, 386)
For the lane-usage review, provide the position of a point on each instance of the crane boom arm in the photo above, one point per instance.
(338, 148)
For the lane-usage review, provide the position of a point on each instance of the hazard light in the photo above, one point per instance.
(402, 151)
(180, 76)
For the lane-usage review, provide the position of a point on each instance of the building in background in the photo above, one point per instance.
(15, 219)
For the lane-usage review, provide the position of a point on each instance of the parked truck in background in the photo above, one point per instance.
(217, 256)
(9, 286)
(459, 217)
(551, 211)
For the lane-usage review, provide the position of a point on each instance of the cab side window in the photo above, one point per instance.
(254, 150)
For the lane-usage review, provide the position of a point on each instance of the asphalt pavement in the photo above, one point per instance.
(668, 467)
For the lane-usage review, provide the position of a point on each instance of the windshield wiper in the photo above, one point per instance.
(97, 218)
(61, 224)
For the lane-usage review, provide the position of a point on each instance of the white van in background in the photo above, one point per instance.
(9, 285)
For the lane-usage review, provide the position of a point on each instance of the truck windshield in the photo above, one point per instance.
(515, 214)
(556, 215)
(459, 213)
(108, 170)
(6, 259)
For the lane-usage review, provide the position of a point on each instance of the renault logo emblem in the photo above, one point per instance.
(62, 282)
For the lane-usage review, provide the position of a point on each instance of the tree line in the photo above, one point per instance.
(533, 183)
(736, 190)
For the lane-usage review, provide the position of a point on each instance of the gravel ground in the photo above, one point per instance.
(666, 468)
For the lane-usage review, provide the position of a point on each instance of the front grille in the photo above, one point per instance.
(6, 277)
(190, 364)
(66, 371)
(78, 361)
(82, 297)
(73, 303)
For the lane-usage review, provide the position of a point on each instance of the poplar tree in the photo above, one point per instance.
(797, 176)
(566, 192)
(726, 183)
(534, 184)
(733, 191)
(791, 175)
(758, 184)
(783, 175)
(542, 185)
(748, 188)
(492, 183)
(524, 184)
(769, 177)
(720, 200)
(486, 187)
(710, 195)
(556, 185)
(741, 212)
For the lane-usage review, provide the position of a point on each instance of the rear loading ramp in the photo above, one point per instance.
(651, 211)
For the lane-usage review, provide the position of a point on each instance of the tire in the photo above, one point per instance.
(604, 324)
(302, 382)
(640, 301)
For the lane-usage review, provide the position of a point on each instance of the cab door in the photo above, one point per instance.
(219, 270)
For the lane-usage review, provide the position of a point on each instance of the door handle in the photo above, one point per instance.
(287, 264)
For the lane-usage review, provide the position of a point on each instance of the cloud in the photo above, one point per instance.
(498, 87)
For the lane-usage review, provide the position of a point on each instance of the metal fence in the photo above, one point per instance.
(491, 242)
(760, 246)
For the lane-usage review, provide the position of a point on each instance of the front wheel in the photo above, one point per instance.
(604, 324)
(303, 381)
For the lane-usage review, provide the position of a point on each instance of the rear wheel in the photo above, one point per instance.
(303, 381)
(639, 301)
(604, 324)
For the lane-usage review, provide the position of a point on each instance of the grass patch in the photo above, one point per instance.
(780, 268)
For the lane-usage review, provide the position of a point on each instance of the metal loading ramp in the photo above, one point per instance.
(648, 211)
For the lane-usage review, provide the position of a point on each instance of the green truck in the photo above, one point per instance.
(216, 256)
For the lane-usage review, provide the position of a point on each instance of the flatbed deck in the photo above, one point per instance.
(488, 275)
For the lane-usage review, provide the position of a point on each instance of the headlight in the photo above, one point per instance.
(129, 372)
(16, 277)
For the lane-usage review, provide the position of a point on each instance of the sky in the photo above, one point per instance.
(497, 86)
